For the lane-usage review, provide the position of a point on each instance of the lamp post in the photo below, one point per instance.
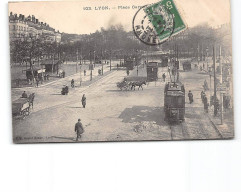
(215, 82)
(102, 68)
(210, 75)
(221, 81)
(110, 60)
(94, 59)
(136, 62)
(77, 59)
(90, 67)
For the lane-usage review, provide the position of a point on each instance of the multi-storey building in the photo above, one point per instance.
(21, 27)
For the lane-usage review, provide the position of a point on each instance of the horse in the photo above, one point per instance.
(137, 83)
(31, 99)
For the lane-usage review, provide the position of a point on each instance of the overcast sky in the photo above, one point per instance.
(70, 16)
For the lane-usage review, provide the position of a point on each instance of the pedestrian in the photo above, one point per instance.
(83, 100)
(72, 83)
(190, 96)
(127, 72)
(47, 76)
(206, 104)
(164, 77)
(24, 95)
(37, 81)
(205, 85)
(84, 72)
(202, 96)
(79, 129)
(63, 74)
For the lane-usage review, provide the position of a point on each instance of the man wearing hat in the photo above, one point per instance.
(79, 129)
(190, 96)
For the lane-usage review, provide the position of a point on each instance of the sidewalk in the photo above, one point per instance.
(225, 131)
(74, 75)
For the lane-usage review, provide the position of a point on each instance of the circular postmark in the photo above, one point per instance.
(153, 27)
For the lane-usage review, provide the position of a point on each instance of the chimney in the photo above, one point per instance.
(41, 23)
(11, 13)
(23, 17)
(37, 21)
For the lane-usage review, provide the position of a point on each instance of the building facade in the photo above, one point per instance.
(21, 27)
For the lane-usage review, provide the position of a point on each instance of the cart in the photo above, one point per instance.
(21, 107)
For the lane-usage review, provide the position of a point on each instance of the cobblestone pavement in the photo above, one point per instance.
(113, 115)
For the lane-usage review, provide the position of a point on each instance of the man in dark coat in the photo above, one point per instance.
(190, 96)
(83, 100)
(72, 83)
(164, 77)
(37, 81)
(24, 95)
(202, 96)
(206, 104)
(79, 129)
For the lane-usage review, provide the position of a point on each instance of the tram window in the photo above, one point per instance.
(179, 101)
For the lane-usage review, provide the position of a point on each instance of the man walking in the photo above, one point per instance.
(205, 102)
(79, 129)
(37, 81)
(72, 83)
(202, 96)
(190, 96)
(83, 100)
(164, 77)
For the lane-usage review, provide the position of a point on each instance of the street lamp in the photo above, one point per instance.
(136, 62)
(94, 58)
(90, 67)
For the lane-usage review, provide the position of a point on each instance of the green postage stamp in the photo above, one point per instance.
(164, 21)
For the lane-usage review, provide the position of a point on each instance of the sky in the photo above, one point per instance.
(70, 16)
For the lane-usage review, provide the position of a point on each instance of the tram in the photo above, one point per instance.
(174, 102)
(152, 71)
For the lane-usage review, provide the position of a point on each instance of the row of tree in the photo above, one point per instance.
(115, 42)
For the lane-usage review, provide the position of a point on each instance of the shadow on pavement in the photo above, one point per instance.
(143, 113)
(115, 90)
(76, 107)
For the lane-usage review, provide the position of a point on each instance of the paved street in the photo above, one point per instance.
(111, 114)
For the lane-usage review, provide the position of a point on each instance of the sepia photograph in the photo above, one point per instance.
(116, 71)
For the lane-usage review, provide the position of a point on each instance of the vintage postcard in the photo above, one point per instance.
(94, 71)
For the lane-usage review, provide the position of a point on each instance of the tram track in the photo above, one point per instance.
(194, 128)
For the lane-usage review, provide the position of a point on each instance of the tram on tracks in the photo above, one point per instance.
(174, 102)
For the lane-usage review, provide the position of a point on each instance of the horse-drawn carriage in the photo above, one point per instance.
(130, 83)
(21, 107)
